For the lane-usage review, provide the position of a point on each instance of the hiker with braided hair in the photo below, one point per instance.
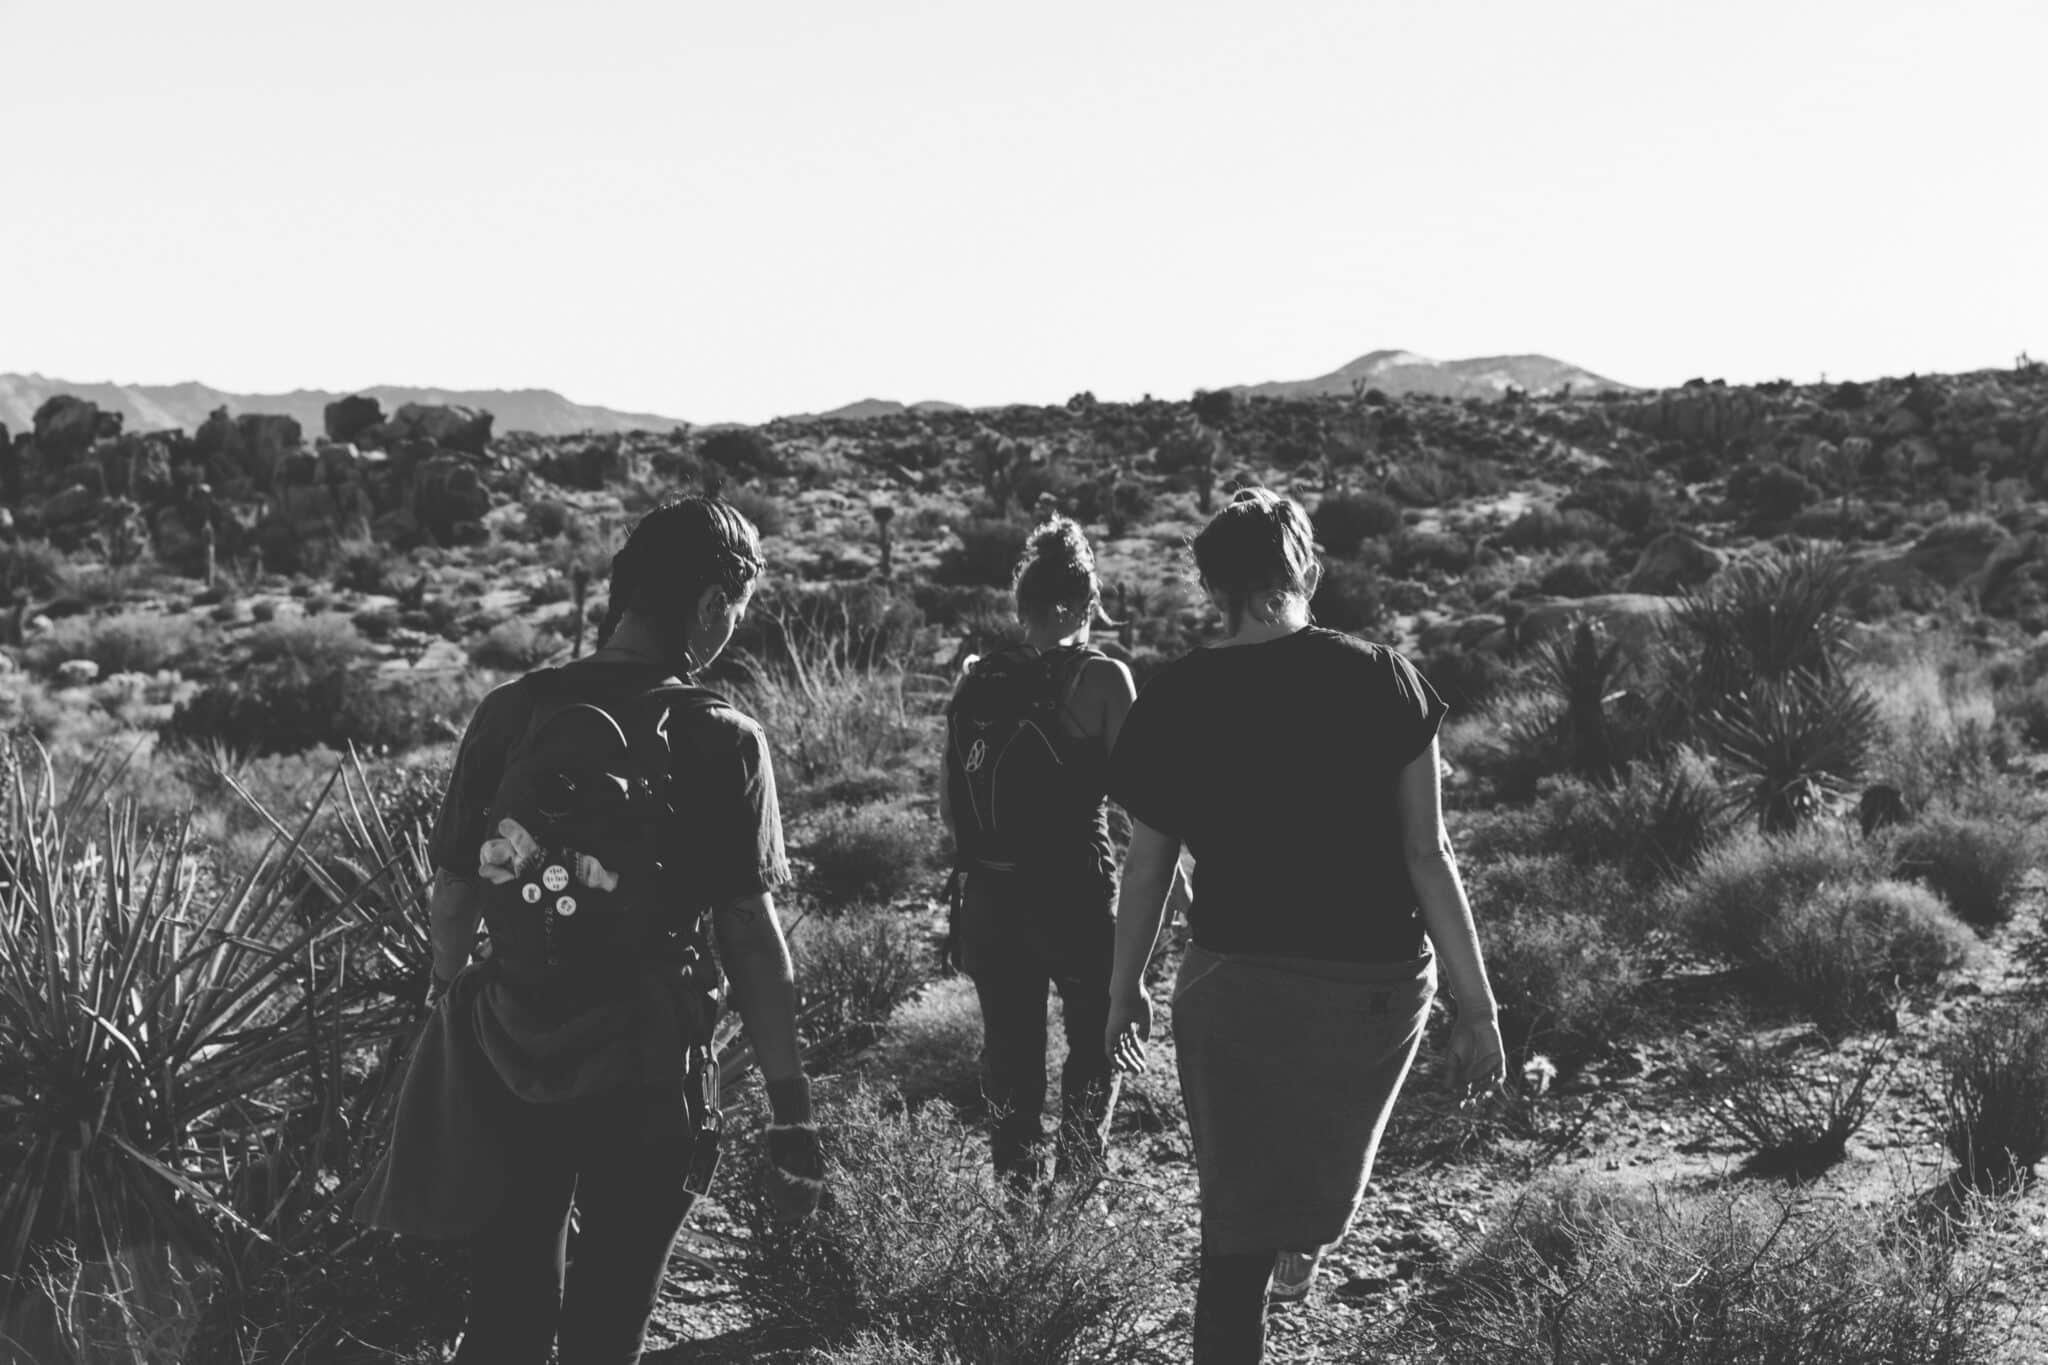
(1299, 767)
(1029, 732)
(607, 819)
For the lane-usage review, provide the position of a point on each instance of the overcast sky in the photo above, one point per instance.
(728, 211)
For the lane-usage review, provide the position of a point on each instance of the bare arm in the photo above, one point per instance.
(757, 962)
(453, 908)
(1149, 869)
(1433, 868)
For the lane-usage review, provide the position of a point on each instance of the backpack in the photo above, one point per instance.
(589, 779)
(1011, 766)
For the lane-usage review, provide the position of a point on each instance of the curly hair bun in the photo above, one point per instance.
(1057, 568)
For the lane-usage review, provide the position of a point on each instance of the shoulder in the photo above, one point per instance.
(502, 712)
(1364, 656)
(716, 725)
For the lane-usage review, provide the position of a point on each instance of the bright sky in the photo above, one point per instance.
(725, 211)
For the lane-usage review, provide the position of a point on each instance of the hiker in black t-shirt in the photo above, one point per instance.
(590, 1081)
(1299, 767)
(1029, 733)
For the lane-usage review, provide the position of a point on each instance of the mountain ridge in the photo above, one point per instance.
(156, 407)
(1406, 372)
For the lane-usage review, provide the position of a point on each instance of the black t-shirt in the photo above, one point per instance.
(1276, 764)
(728, 828)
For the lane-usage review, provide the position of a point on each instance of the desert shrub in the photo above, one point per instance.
(765, 512)
(1541, 528)
(1581, 575)
(930, 1049)
(1769, 618)
(1795, 1115)
(29, 568)
(313, 644)
(1600, 1275)
(825, 718)
(1562, 976)
(742, 452)
(870, 853)
(1797, 741)
(125, 642)
(283, 708)
(987, 553)
(514, 646)
(916, 1244)
(1726, 904)
(2025, 707)
(863, 625)
(1345, 521)
(1995, 1094)
(1844, 954)
(1349, 598)
(1976, 864)
(1412, 552)
(1650, 825)
(1770, 493)
(853, 970)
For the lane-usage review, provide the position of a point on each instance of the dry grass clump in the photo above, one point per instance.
(1995, 1095)
(853, 971)
(1975, 863)
(1796, 1115)
(124, 642)
(1594, 1274)
(1845, 954)
(1739, 889)
(915, 1245)
(1564, 979)
(870, 853)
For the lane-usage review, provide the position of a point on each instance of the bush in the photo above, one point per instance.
(1995, 1095)
(1348, 598)
(764, 512)
(915, 1244)
(861, 853)
(1727, 904)
(854, 970)
(125, 642)
(1797, 1119)
(826, 718)
(1345, 521)
(1844, 954)
(514, 646)
(1563, 978)
(312, 644)
(742, 452)
(1770, 493)
(1975, 864)
(1540, 528)
(1582, 575)
(31, 568)
(988, 552)
(1596, 1275)
(931, 1047)
(1797, 740)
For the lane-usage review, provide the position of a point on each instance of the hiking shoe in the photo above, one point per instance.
(1294, 1275)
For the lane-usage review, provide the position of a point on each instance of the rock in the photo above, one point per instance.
(1957, 550)
(448, 490)
(1633, 618)
(71, 506)
(1705, 415)
(447, 426)
(77, 672)
(139, 467)
(66, 426)
(1671, 562)
(267, 438)
(347, 418)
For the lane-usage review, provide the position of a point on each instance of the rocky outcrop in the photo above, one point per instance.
(246, 449)
(1954, 552)
(347, 418)
(66, 426)
(451, 428)
(1673, 562)
(1708, 414)
(448, 493)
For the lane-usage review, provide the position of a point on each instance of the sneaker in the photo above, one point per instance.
(1295, 1275)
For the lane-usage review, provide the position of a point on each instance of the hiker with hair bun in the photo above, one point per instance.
(606, 819)
(1298, 766)
(1028, 737)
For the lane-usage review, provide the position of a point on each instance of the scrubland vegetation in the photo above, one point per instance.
(1743, 768)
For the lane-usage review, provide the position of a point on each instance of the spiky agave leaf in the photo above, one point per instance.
(152, 1031)
(1797, 740)
(1772, 618)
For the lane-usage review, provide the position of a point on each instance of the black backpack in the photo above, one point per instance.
(1010, 764)
(589, 779)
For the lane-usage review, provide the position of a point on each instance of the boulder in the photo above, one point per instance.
(1957, 550)
(448, 490)
(1708, 414)
(1635, 619)
(139, 467)
(446, 425)
(72, 506)
(347, 418)
(66, 426)
(267, 438)
(1672, 562)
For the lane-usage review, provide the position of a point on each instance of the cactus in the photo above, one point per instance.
(884, 514)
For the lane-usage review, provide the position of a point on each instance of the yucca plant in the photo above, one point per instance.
(163, 1027)
(1797, 740)
(1771, 618)
(1585, 670)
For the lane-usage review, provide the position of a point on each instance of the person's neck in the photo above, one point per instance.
(1048, 637)
(1251, 631)
(634, 639)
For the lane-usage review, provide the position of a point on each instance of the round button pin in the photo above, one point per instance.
(530, 893)
(555, 877)
(565, 906)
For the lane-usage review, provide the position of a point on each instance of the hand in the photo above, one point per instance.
(1130, 1025)
(500, 859)
(437, 989)
(796, 1169)
(1477, 1062)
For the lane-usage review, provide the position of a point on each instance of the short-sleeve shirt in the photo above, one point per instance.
(1277, 765)
(728, 832)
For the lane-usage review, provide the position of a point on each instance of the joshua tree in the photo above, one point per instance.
(884, 514)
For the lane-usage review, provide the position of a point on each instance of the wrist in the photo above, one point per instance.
(789, 1098)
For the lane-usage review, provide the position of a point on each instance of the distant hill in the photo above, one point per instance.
(1407, 372)
(875, 407)
(153, 407)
